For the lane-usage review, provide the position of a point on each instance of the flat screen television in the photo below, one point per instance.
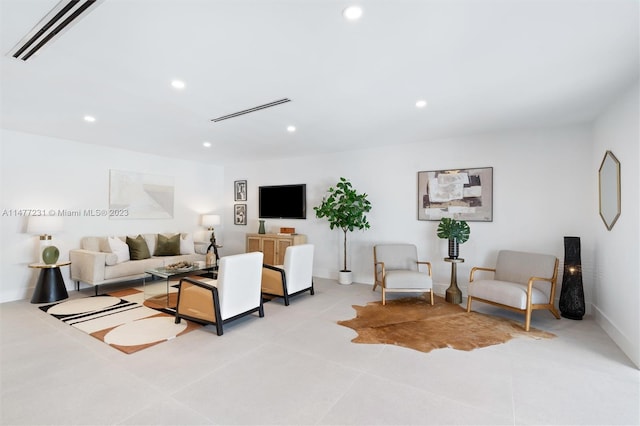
(282, 202)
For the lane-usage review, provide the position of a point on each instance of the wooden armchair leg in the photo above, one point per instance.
(527, 320)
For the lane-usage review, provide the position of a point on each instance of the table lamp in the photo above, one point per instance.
(45, 226)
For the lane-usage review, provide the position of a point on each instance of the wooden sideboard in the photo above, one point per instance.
(273, 246)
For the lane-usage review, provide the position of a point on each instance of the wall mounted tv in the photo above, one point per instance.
(282, 202)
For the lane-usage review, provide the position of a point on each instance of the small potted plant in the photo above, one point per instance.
(344, 208)
(456, 231)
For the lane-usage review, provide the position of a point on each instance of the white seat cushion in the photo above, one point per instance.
(506, 293)
(407, 279)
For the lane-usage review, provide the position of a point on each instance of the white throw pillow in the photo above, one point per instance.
(186, 244)
(119, 248)
(111, 259)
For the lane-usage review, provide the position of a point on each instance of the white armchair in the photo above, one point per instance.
(522, 282)
(396, 270)
(292, 278)
(234, 294)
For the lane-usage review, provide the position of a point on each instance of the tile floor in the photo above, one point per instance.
(296, 366)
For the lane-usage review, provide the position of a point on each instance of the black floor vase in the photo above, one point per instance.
(572, 293)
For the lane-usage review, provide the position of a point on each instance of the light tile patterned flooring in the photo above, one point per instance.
(297, 366)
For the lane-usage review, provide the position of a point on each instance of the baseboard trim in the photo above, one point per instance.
(631, 350)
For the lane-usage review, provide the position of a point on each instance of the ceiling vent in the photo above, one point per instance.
(254, 109)
(62, 17)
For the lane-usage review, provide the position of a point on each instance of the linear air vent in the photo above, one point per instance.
(254, 109)
(60, 18)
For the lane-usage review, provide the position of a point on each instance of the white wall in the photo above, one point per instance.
(617, 291)
(542, 191)
(46, 173)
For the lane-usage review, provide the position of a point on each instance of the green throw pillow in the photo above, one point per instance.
(167, 246)
(138, 248)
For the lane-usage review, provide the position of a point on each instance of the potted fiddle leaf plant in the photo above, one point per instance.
(344, 208)
(456, 231)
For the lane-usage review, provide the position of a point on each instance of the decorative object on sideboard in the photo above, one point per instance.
(456, 231)
(45, 226)
(209, 221)
(344, 208)
(572, 293)
(609, 190)
(261, 229)
(466, 194)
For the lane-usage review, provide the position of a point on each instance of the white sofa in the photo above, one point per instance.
(94, 263)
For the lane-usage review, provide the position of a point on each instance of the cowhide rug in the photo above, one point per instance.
(413, 323)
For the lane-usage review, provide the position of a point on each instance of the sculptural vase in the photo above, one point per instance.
(50, 255)
(261, 229)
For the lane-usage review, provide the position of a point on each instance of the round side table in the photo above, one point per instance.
(50, 286)
(453, 294)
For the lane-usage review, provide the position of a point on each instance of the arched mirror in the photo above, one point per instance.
(609, 179)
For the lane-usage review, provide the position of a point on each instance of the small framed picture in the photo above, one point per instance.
(239, 214)
(240, 190)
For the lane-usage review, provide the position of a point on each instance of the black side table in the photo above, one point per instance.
(50, 286)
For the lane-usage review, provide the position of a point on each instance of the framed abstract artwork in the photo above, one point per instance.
(140, 195)
(462, 194)
(240, 190)
(239, 214)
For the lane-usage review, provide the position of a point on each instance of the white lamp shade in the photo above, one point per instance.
(44, 225)
(210, 220)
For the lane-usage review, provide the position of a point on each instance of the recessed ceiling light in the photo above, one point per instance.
(352, 13)
(421, 103)
(291, 129)
(177, 84)
(89, 118)
(206, 144)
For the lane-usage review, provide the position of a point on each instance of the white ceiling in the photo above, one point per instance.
(482, 65)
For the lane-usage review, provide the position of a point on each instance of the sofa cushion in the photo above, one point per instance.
(167, 246)
(138, 248)
(186, 244)
(131, 270)
(119, 248)
(151, 241)
(92, 243)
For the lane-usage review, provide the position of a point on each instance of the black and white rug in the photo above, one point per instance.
(120, 320)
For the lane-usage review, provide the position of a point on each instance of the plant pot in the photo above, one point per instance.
(345, 277)
(453, 248)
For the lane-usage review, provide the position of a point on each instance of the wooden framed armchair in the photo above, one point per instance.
(292, 278)
(396, 270)
(522, 282)
(234, 294)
